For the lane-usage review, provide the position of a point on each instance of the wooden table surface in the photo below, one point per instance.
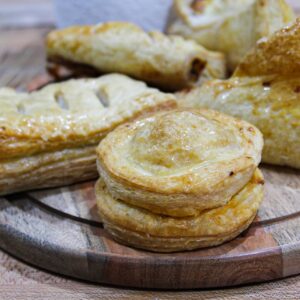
(20, 281)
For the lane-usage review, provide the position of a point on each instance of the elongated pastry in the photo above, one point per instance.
(48, 138)
(170, 63)
(163, 177)
(229, 26)
(265, 90)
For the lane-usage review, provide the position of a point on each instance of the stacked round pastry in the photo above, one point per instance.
(179, 180)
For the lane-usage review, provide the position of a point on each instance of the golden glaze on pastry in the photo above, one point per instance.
(45, 170)
(229, 26)
(179, 162)
(48, 137)
(171, 62)
(143, 229)
(265, 91)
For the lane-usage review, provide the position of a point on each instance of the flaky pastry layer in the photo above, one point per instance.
(179, 162)
(47, 170)
(141, 228)
(169, 62)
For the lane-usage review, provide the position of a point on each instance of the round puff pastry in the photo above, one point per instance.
(169, 62)
(143, 229)
(265, 91)
(229, 26)
(179, 162)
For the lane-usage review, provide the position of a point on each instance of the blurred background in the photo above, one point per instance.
(17, 13)
(25, 23)
(150, 14)
(28, 13)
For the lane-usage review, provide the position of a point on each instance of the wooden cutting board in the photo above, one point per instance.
(59, 230)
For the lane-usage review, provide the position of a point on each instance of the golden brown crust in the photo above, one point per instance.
(71, 114)
(143, 229)
(277, 55)
(47, 170)
(171, 63)
(264, 91)
(58, 128)
(179, 162)
(230, 26)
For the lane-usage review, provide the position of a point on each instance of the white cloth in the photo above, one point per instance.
(149, 14)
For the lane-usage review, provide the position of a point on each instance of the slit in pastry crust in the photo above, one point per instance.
(48, 137)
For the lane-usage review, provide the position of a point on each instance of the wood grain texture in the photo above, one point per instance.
(20, 281)
(284, 290)
(59, 230)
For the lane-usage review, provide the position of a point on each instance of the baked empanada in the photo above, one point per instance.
(141, 228)
(229, 26)
(48, 137)
(180, 162)
(170, 63)
(265, 90)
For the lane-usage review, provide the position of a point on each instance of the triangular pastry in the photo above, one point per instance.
(229, 26)
(265, 91)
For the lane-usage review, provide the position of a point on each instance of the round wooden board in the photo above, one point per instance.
(59, 230)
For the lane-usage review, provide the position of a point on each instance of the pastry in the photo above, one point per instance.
(141, 228)
(170, 63)
(179, 162)
(265, 91)
(48, 137)
(229, 26)
(179, 179)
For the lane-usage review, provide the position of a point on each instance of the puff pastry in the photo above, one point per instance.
(180, 162)
(170, 63)
(265, 90)
(48, 137)
(229, 26)
(141, 228)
